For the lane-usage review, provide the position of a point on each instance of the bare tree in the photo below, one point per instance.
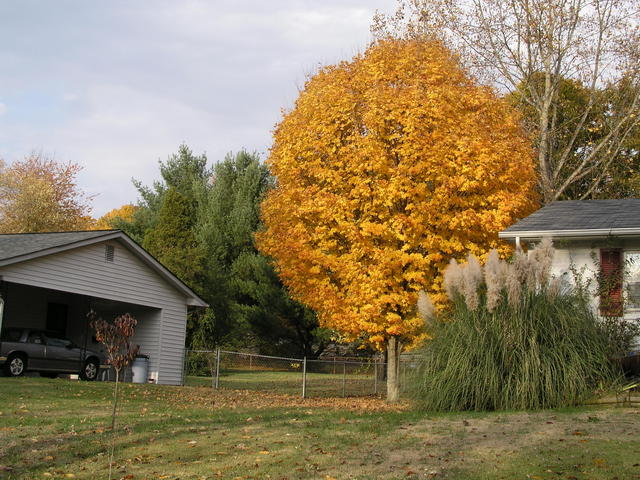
(533, 46)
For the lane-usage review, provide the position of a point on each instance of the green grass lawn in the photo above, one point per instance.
(58, 429)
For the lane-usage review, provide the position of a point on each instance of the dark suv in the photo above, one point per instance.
(23, 349)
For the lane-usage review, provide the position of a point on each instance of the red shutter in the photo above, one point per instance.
(611, 282)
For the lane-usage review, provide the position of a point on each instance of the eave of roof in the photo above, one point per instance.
(594, 232)
(193, 299)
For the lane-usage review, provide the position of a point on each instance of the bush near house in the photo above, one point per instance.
(513, 339)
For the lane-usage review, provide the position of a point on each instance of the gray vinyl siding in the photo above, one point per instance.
(85, 271)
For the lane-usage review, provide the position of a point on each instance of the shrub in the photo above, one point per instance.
(513, 339)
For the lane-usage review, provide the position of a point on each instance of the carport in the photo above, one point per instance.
(50, 281)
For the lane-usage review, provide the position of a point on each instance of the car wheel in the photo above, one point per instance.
(15, 365)
(49, 374)
(90, 370)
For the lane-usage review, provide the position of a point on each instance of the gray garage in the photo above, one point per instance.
(50, 281)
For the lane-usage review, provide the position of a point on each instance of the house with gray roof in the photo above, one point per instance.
(596, 239)
(50, 281)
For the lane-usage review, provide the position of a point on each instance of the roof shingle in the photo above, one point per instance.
(581, 215)
(17, 244)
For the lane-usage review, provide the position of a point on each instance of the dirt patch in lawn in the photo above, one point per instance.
(443, 447)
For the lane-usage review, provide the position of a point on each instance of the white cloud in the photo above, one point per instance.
(3, 108)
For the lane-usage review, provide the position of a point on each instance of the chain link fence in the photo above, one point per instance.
(333, 377)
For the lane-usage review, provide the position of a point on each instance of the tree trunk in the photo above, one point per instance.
(393, 362)
(115, 401)
(113, 421)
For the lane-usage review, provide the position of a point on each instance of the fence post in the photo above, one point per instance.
(217, 380)
(344, 379)
(184, 367)
(304, 377)
(403, 387)
(250, 362)
(375, 377)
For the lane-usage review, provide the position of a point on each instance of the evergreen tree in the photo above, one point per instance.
(200, 223)
(184, 171)
(260, 305)
(279, 323)
(173, 242)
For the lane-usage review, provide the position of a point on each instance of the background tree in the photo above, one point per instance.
(187, 173)
(115, 218)
(536, 48)
(173, 241)
(186, 176)
(387, 166)
(259, 305)
(200, 223)
(38, 194)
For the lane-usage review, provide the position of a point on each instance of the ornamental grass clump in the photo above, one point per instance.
(513, 338)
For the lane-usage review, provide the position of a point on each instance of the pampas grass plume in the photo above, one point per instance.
(494, 278)
(541, 260)
(452, 279)
(425, 307)
(516, 276)
(471, 279)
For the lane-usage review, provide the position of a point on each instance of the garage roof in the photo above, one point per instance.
(19, 247)
(17, 244)
(580, 218)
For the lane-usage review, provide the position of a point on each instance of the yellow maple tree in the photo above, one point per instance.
(388, 166)
(106, 222)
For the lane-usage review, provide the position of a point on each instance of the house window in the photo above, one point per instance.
(632, 279)
(610, 282)
(109, 252)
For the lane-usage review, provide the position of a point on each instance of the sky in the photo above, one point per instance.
(117, 86)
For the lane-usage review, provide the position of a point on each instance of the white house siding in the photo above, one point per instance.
(148, 330)
(85, 271)
(573, 259)
(583, 257)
